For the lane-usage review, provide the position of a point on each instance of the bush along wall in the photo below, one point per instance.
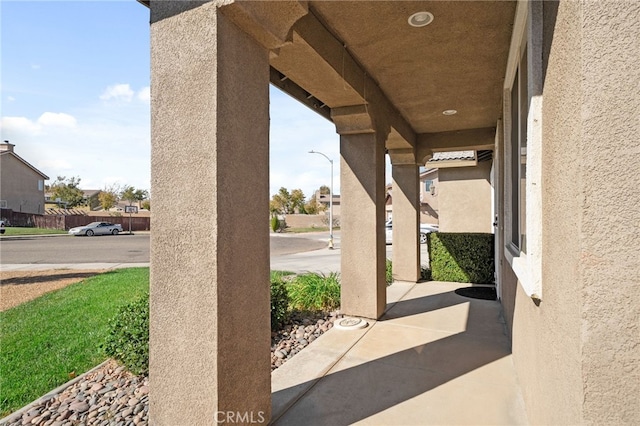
(462, 257)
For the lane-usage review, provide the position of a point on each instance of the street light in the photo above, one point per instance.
(330, 199)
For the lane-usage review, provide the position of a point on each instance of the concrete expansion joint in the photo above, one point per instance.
(323, 372)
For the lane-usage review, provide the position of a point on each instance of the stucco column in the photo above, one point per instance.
(406, 215)
(210, 336)
(361, 213)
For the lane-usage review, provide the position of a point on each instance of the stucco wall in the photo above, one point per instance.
(19, 186)
(464, 198)
(609, 256)
(576, 353)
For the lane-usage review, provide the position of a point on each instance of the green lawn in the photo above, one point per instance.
(14, 230)
(45, 340)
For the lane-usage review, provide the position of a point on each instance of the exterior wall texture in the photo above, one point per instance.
(209, 312)
(19, 186)
(464, 198)
(576, 352)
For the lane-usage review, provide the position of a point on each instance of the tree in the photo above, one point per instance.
(108, 197)
(281, 202)
(107, 200)
(146, 204)
(132, 195)
(324, 190)
(67, 190)
(312, 206)
(297, 201)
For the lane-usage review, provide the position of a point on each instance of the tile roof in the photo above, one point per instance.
(452, 155)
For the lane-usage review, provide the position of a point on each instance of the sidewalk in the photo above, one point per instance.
(78, 266)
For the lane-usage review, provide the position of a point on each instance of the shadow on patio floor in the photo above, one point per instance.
(434, 358)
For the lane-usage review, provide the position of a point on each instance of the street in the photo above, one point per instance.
(292, 252)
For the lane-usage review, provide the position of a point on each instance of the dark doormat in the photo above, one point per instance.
(485, 293)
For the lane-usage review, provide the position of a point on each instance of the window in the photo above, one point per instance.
(518, 160)
(40, 185)
(427, 185)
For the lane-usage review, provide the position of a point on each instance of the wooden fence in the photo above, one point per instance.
(66, 222)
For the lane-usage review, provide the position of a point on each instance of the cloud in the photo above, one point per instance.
(59, 119)
(35, 66)
(118, 92)
(10, 99)
(144, 94)
(54, 164)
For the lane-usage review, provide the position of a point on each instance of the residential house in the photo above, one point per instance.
(323, 199)
(551, 88)
(429, 184)
(21, 184)
(428, 197)
(465, 194)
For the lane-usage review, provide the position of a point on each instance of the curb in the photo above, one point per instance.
(18, 237)
(18, 414)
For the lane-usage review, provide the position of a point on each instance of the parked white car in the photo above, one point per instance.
(425, 229)
(97, 228)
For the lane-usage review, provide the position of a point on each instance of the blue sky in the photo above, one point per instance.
(75, 98)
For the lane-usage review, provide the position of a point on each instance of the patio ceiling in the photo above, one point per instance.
(365, 54)
(345, 51)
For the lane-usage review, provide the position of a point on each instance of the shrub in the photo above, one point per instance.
(315, 292)
(128, 338)
(275, 223)
(388, 271)
(425, 273)
(461, 257)
(279, 300)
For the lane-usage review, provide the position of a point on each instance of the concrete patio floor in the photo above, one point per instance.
(434, 358)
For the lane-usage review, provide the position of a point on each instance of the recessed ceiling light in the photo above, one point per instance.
(449, 112)
(420, 19)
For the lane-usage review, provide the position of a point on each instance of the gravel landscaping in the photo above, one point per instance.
(110, 395)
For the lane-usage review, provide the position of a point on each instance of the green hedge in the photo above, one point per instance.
(462, 257)
(279, 300)
(128, 338)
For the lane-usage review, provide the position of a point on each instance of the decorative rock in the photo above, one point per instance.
(79, 407)
(112, 396)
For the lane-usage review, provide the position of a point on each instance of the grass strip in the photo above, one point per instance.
(49, 340)
(14, 230)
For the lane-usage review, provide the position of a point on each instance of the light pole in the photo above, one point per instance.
(330, 199)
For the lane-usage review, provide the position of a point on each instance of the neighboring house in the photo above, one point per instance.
(21, 184)
(91, 198)
(323, 199)
(465, 195)
(428, 197)
(551, 87)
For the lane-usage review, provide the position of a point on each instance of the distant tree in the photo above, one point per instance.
(281, 202)
(107, 200)
(297, 201)
(312, 206)
(67, 190)
(132, 195)
(108, 197)
(146, 204)
(324, 190)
